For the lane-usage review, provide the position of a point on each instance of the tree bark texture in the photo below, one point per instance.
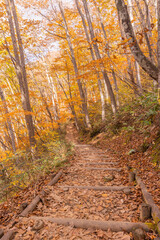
(158, 47)
(144, 27)
(9, 123)
(82, 94)
(143, 61)
(93, 58)
(108, 53)
(20, 66)
(98, 56)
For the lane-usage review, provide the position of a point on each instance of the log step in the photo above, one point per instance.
(99, 163)
(9, 235)
(114, 226)
(104, 169)
(82, 145)
(105, 158)
(100, 188)
(37, 199)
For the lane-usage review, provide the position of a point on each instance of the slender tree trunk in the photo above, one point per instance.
(71, 105)
(102, 99)
(148, 20)
(8, 123)
(98, 56)
(144, 27)
(4, 146)
(156, 8)
(72, 102)
(138, 77)
(149, 34)
(93, 58)
(143, 61)
(54, 96)
(158, 47)
(43, 97)
(11, 89)
(84, 103)
(20, 67)
(108, 53)
(130, 69)
(106, 92)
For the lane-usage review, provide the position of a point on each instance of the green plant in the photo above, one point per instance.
(19, 170)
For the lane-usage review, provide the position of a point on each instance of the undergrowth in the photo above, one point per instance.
(140, 116)
(19, 170)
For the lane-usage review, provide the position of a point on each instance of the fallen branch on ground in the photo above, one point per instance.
(37, 199)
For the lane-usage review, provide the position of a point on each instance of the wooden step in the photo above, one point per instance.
(82, 145)
(114, 226)
(100, 188)
(98, 163)
(104, 169)
(98, 157)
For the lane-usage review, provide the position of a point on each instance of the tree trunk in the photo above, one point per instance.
(9, 123)
(138, 77)
(4, 146)
(108, 53)
(144, 27)
(143, 61)
(54, 96)
(71, 105)
(43, 97)
(106, 92)
(148, 20)
(20, 67)
(84, 103)
(93, 58)
(98, 56)
(130, 69)
(158, 47)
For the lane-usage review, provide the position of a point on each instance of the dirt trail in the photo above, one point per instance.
(93, 190)
(68, 202)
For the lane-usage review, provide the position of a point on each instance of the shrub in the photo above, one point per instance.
(19, 170)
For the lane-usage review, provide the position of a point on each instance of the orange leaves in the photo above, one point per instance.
(124, 43)
(16, 95)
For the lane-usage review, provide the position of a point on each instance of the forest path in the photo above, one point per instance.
(74, 198)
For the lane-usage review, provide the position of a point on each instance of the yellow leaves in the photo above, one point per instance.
(104, 195)
(17, 113)
(158, 95)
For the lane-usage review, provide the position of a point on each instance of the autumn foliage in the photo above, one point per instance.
(63, 61)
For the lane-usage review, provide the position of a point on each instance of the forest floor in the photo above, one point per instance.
(63, 201)
(120, 145)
